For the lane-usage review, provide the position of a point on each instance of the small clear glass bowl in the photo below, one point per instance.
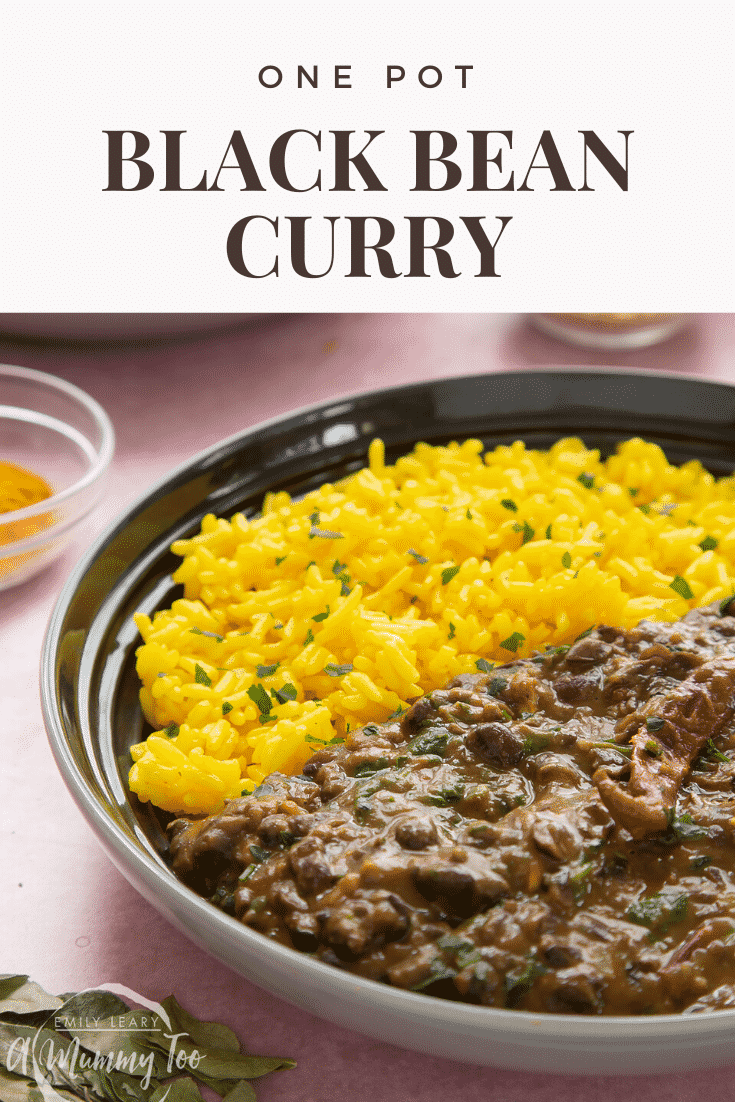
(55, 430)
(617, 332)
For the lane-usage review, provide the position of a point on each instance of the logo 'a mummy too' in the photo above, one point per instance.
(73, 1043)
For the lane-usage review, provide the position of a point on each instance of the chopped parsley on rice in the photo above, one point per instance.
(327, 613)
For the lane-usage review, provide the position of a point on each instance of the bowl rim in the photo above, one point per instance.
(103, 452)
(124, 852)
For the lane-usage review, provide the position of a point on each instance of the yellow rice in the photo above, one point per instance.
(383, 586)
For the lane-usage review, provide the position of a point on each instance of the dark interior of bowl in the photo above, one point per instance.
(95, 696)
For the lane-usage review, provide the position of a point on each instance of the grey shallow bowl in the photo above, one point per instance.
(89, 687)
(116, 327)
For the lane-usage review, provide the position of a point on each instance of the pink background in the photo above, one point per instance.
(69, 919)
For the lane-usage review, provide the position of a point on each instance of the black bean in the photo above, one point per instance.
(416, 833)
(496, 743)
(575, 688)
(417, 716)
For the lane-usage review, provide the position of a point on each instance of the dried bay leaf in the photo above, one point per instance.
(19, 995)
(102, 1051)
(243, 1092)
(18, 1088)
(181, 1090)
(212, 1034)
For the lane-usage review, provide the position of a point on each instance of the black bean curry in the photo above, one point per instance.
(557, 834)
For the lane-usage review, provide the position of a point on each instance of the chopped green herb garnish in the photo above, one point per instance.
(280, 559)
(259, 854)
(497, 686)
(321, 616)
(226, 707)
(681, 586)
(337, 671)
(363, 808)
(632, 490)
(400, 710)
(725, 605)
(513, 642)
(587, 480)
(611, 744)
(171, 731)
(658, 911)
(201, 676)
(452, 630)
(468, 515)
(517, 984)
(713, 752)
(535, 743)
(445, 796)
(579, 881)
(369, 768)
(209, 634)
(548, 532)
(708, 543)
(645, 509)
(685, 828)
(266, 671)
(438, 970)
(309, 637)
(448, 573)
(508, 503)
(286, 692)
(449, 942)
(484, 666)
(430, 742)
(324, 534)
(419, 558)
(654, 723)
(528, 532)
(260, 697)
(585, 633)
(653, 749)
(700, 862)
(566, 560)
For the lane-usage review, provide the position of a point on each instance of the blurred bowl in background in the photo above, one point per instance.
(117, 327)
(57, 432)
(615, 332)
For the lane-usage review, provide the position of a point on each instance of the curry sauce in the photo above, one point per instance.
(555, 835)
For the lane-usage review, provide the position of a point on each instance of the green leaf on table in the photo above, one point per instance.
(213, 1034)
(137, 1056)
(19, 1088)
(243, 1092)
(181, 1090)
(19, 995)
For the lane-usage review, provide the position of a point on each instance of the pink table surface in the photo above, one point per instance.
(68, 917)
